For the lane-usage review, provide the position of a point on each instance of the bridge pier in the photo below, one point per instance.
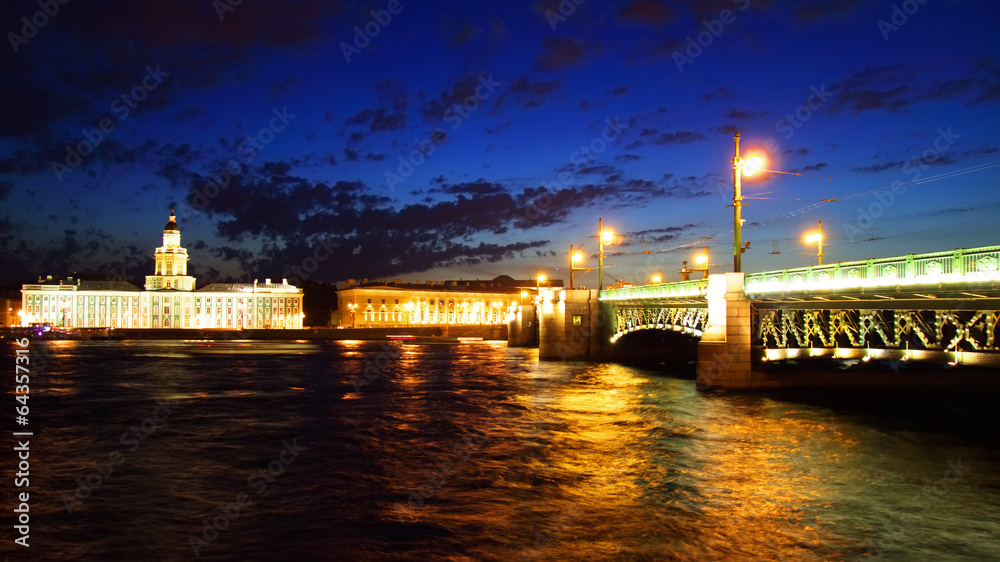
(724, 349)
(522, 329)
(569, 324)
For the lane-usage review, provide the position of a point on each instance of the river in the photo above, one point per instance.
(149, 450)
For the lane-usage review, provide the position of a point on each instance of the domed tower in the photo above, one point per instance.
(171, 261)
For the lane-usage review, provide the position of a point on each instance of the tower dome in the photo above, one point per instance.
(172, 223)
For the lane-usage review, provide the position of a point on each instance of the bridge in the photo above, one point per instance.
(941, 307)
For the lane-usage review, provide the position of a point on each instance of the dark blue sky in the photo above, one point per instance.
(349, 147)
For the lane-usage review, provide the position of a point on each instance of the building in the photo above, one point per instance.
(170, 299)
(8, 312)
(384, 304)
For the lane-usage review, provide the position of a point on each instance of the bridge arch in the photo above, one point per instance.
(633, 318)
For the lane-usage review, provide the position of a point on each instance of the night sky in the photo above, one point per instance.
(472, 139)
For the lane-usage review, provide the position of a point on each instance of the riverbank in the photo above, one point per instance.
(498, 332)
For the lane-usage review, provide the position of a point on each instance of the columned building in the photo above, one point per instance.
(396, 304)
(169, 300)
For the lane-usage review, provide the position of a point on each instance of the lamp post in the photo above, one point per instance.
(573, 258)
(817, 237)
(702, 260)
(603, 237)
(352, 306)
(746, 167)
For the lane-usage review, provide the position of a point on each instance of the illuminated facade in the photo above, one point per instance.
(168, 301)
(385, 305)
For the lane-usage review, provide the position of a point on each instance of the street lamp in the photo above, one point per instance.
(817, 237)
(657, 277)
(748, 166)
(603, 237)
(702, 260)
(573, 258)
(352, 306)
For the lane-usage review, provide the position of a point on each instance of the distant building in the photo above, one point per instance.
(384, 304)
(169, 300)
(8, 312)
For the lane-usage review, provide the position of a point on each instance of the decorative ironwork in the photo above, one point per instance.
(944, 330)
(631, 318)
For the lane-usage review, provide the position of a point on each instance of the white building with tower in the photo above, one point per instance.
(170, 299)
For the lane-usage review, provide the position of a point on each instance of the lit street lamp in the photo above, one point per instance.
(573, 258)
(702, 260)
(817, 238)
(747, 167)
(603, 237)
(352, 307)
(539, 279)
(657, 277)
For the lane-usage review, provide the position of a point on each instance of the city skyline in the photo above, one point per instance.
(390, 140)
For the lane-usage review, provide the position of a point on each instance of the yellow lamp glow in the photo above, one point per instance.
(524, 294)
(541, 279)
(607, 236)
(577, 257)
(814, 237)
(752, 165)
(701, 258)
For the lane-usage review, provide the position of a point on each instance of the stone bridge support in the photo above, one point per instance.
(569, 324)
(724, 349)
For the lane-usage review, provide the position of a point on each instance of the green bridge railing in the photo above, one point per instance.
(972, 265)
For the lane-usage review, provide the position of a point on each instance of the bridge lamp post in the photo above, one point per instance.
(539, 279)
(741, 167)
(702, 260)
(817, 238)
(603, 237)
(574, 258)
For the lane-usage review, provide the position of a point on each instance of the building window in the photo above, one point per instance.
(577, 320)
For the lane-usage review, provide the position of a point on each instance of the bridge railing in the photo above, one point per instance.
(955, 266)
(676, 290)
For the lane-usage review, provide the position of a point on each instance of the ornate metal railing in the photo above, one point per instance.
(677, 290)
(956, 266)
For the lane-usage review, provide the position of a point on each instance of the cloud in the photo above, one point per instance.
(278, 89)
(744, 114)
(894, 88)
(720, 92)
(822, 10)
(558, 53)
(528, 94)
(680, 137)
(648, 11)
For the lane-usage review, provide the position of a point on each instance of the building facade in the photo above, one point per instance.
(170, 299)
(398, 304)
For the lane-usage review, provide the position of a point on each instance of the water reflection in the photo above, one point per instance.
(483, 452)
